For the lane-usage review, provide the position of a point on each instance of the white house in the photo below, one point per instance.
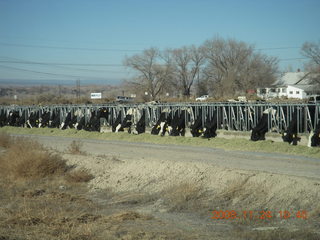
(290, 85)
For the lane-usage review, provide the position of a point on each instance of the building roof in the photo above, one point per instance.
(293, 78)
(306, 87)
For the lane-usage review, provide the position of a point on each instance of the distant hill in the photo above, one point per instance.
(24, 82)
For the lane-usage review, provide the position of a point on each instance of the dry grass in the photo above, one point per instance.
(76, 148)
(79, 175)
(183, 196)
(27, 159)
(5, 139)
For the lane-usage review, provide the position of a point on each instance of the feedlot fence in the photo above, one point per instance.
(229, 116)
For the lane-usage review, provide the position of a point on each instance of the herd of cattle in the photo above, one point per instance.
(172, 123)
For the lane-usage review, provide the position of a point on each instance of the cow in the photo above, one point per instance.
(13, 118)
(259, 131)
(96, 116)
(68, 121)
(117, 124)
(22, 121)
(291, 134)
(161, 126)
(54, 121)
(71, 120)
(126, 123)
(138, 121)
(196, 127)
(314, 137)
(178, 124)
(44, 119)
(3, 118)
(33, 119)
(210, 127)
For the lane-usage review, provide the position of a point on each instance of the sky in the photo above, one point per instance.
(88, 40)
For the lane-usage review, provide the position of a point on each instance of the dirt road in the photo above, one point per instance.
(264, 162)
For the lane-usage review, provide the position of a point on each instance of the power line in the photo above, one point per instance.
(277, 48)
(65, 64)
(291, 59)
(69, 48)
(112, 49)
(47, 73)
(21, 61)
(97, 64)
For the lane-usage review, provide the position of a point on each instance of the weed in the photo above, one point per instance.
(183, 196)
(75, 148)
(5, 140)
(79, 175)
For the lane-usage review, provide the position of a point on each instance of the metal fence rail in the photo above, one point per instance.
(229, 116)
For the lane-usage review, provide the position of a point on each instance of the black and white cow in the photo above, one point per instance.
(33, 119)
(95, 119)
(44, 119)
(55, 119)
(22, 122)
(117, 124)
(314, 137)
(259, 131)
(161, 126)
(139, 121)
(134, 122)
(126, 123)
(69, 121)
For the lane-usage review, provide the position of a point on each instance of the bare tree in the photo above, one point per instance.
(153, 71)
(233, 67)
(187, 62)
(312, 51)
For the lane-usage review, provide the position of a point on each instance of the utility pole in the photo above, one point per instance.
(78, 89)
(59, 86)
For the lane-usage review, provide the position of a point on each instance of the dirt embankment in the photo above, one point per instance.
(146, 191)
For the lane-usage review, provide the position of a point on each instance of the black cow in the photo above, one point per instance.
(3, 118)
(178, 124)
(259, 131)
(13, 118)
(210, 127)
(291, 134)
(196, 127)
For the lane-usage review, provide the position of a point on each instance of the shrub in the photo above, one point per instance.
(27, 159)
